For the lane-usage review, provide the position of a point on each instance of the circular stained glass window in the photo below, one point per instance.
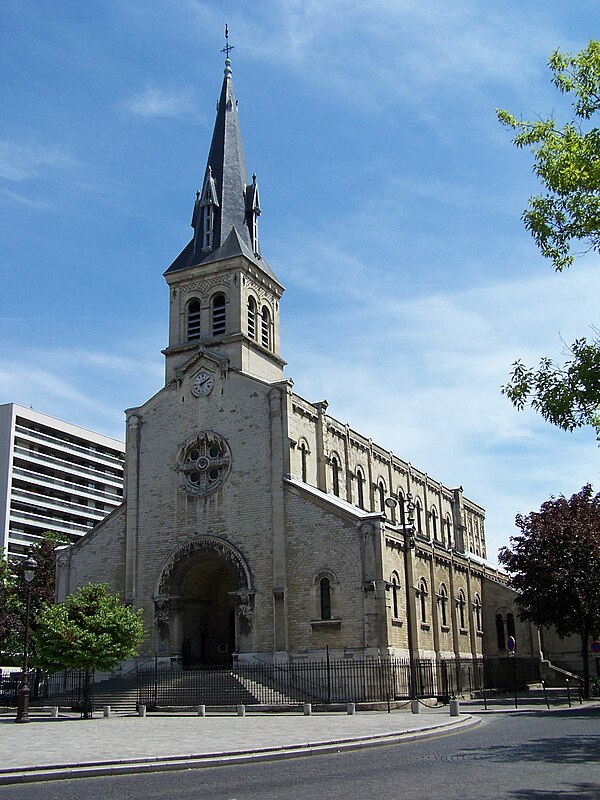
(204, 463)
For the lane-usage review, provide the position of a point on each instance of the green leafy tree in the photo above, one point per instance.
(567, 215)
(555, 564)
(92, 630)
(12, 595)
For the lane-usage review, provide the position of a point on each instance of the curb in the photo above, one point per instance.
(21, 775)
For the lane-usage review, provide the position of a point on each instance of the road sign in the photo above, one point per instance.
(511, 644)
(595, 647)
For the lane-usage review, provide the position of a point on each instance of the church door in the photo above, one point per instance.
(207, 615)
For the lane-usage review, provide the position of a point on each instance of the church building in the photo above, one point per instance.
(254, 525)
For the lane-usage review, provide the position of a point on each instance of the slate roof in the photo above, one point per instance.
(236, 198)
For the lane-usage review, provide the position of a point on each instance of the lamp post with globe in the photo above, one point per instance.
(28, 567)
(407, 528)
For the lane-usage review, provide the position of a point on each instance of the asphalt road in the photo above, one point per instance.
(525, 756)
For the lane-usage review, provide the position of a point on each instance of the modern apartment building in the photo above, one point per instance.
(54, 476)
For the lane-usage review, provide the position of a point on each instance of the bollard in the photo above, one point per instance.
(201, 711)
(307, 709)
(142, 711)
(415, 708)
(54, 712)
(351, 708)
(241, 711)
(454, 708)
(106, 710)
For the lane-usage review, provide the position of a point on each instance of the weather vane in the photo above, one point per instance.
(228, 47)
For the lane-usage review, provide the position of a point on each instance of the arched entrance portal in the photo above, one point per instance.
(204, 603)
(207, 613)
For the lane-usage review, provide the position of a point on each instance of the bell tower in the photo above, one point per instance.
(224, 297)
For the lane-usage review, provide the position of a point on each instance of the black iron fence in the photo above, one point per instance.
(60, 688)
(263, 683)
(329, 681)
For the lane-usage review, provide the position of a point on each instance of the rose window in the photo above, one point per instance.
(204, 463)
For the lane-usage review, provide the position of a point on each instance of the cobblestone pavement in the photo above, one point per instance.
(47, 747)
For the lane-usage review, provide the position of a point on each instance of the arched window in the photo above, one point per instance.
(434, 523)
(193, 320)
(218, 315)
(325, 596)
(423, 599)
(252, 317)
(304, 461)
(381, 494)
(395, 589)
(265, 327)
(419, 516)
(461, 603)
(500, 634)
(510, 624)
(477, 612)
(401, 508)
(443, 602)
(448, 530)
(335, 476)
(360, 488)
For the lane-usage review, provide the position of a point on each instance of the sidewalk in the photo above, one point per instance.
(68, 747)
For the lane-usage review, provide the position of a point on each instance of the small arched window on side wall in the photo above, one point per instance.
(395, 595)
(251, 310)
(325, 597)
(461, 603)
(265, 328)
(381, 495)
(335, 476)
(304, 461)
(360, 488)
(434, 524)
(193, 320)
(510, 625)
(218, 308)
(448, 531)
(419, 516)
(500, 632)
(423, 594)
(401, 508)
(443, 603)
(477, 612)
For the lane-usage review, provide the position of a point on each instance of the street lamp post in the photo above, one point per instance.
(29, 567)
(408, 532)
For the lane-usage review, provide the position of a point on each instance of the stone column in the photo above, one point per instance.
(132, 471)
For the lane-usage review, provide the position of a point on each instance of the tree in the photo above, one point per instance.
(567, 162)
(555, 564)
(12, 595)
(92, 630)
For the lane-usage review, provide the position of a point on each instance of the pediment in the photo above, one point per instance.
(203, 357)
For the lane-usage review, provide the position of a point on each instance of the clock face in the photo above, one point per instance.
(203, 383)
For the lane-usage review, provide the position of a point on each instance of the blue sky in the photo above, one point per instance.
(391, 205)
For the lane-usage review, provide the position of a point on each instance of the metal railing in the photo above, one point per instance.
(264, 683)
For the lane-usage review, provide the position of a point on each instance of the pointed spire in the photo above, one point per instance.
(222, 204)
(226, 203)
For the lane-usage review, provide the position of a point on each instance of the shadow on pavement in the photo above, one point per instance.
(579, 791)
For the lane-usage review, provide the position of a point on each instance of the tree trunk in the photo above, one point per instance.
(85, 697)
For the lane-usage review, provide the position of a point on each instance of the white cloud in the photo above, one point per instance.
(378, 50)
(20, 162)
(91, 388)
(157, 102)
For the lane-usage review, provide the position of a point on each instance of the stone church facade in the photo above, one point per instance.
(255, 525)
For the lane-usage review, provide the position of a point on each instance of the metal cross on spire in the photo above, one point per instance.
(228, 47)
